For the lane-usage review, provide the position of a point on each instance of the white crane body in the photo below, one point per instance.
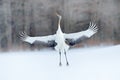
(61, 45)
(58, 40)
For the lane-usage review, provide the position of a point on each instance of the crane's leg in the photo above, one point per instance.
(60, 64)
(67, 63)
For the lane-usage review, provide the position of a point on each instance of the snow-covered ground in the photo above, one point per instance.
(85, 64)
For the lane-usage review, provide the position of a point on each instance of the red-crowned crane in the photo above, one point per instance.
(61, 41)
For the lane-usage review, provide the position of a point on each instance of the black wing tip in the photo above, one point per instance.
(93, 27)
(23, 35)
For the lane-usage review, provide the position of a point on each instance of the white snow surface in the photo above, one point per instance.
(85, 64)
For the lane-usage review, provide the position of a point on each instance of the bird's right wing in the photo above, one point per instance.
(74, 38)
(48, 40)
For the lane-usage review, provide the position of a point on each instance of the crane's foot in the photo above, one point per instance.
(60, 64)
(67, 64)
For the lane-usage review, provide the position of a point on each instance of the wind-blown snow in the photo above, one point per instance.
(85, 64)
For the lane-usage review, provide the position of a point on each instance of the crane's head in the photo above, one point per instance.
(59, 16)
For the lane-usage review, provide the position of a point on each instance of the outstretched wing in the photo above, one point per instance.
(74, 38)
(45, 40)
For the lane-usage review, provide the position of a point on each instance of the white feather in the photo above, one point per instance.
(44, 39)
(87, 33)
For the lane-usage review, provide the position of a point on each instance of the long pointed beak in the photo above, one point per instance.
(58, 15)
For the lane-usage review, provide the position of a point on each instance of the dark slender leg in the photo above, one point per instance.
(60, 64)
(67, 63)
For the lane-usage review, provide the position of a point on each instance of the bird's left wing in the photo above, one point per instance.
(46, 40)
(74, 38)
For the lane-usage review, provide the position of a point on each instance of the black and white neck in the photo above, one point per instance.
(59, 28)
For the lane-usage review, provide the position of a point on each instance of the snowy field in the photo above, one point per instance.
(85, 64)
